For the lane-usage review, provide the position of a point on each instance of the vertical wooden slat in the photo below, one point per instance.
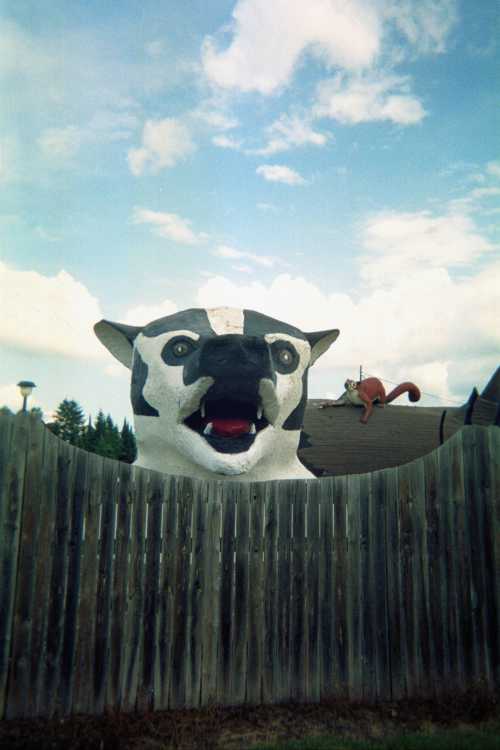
(19, 677)
(10, 529)
(327, 591)
(211, 614)
(145, 697)
(167, 591)
(58, 583)
(83, 693)
(298, 637)
(378, 555)
(121, 572)
(46, 497)
(354, 591)
(270, 585)
(180, 634)
(66, 685)
(366, 585)
(227, 634)
(313, 611)
(284, 592)
(493, 559)
(397, 650)
(104, 583)
(433, 573)
(255, 601)
(193, 696)
(133, 653)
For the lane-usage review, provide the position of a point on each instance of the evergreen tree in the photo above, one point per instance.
(88, 439)
(68, 421)
(128, 451)
(36, 412)
(5, 411)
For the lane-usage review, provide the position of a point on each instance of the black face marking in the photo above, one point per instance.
(256, 324)
(139, 376)
(233, 360)
(194, 319)
(295, 420)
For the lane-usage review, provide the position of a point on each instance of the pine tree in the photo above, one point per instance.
(128, 451)
(68, 421)
(88, 439)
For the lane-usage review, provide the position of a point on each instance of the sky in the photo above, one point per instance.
(332, 163)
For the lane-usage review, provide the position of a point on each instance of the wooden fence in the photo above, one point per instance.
(127, 589)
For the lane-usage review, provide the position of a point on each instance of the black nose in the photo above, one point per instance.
(236, 357)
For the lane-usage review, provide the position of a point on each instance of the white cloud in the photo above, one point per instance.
(368, 98)
(270, 38)
(164, 143)
(61, 143)
(143, 314)
(426, 24)
(398, 244)
(48, 314)
(289, 132)
(225, 251)
(280, 173)
(169, 226)
(225, 141)
(215, 118)
(105, 126)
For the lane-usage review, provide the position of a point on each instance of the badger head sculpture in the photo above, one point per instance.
(218, 391)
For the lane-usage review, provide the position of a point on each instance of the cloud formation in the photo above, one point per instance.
(231, 253)
(169, 226)
(164, 143)
(48, 314)
(289, 132)
(280, 173)
(368, 98)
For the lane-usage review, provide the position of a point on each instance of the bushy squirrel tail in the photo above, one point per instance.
(410, 388)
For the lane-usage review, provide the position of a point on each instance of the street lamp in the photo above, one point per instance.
(26, 387)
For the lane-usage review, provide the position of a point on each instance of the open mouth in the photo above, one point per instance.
(228, 425)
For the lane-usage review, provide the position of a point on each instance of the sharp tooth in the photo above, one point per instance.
(208, 429)
(202, 409)
(253, 429)
(259, 412)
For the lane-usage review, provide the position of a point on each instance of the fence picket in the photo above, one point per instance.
(255, 602)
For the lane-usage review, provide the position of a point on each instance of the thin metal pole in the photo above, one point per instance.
(360, 373)
(25, 401)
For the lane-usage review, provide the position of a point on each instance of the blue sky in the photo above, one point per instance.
(331, 163)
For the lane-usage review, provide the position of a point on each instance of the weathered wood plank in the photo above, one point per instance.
(284, 592)
(119, 596)
(134, 632)
(83, 692)
(255, 600)
(10, 531)
(298, 599)
(313, 610)
(493, 545)
(341, 645)
(19, 678)
(46, 497)
(433, 572)
(406, 577)
(397, 651)
(59, 580)
(227, 634)
(110, 492)
(154, 499)
(327, 591)
(354, 590)
(378, 554)
(211, 611)
(193, 693)
(167, 592)
(367, 598)
(77, 499)
(180, 635)
(270, 584)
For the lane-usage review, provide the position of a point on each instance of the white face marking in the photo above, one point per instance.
(289, 387)
(226, 320)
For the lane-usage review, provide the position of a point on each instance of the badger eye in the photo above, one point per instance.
(181, 348)
(285, 357)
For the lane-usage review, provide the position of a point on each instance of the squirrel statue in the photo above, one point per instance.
(367, 392)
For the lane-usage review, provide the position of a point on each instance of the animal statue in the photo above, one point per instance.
(369, 391)
(218, 392)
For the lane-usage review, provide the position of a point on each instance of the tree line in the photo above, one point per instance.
(102, 436)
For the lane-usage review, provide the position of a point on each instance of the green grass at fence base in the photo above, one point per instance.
(483, 738)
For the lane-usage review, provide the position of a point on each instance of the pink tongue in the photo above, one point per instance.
(230, 427)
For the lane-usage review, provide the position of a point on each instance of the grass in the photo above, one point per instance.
(486, 737)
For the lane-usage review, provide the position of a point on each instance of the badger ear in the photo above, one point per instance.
(118, 339)
(320, 341)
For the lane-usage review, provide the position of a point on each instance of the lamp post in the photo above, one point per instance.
(26, 387)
